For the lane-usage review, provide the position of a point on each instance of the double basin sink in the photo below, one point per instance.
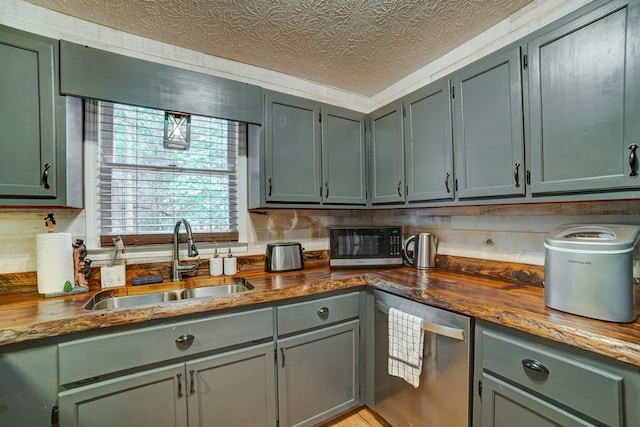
(114, 298)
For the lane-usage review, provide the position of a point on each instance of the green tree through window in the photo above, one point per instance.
(144, 188)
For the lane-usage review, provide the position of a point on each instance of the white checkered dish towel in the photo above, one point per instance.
(406, 342)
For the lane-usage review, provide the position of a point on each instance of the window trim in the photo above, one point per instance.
(150, 249)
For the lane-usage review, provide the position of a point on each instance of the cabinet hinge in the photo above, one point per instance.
(525, 62)
(480, 388)
(456, 181)
(528, 177)
(54, 416)
(453, 91)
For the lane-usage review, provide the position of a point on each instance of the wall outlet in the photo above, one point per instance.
(279, 233)
(313, 230)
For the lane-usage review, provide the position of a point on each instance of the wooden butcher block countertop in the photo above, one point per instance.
(512, 303)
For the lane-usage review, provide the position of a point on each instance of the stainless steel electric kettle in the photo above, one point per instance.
(424, 250)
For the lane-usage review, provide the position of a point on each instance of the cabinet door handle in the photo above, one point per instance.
(399, 188)
(185, 341)
(323, 313)
(45, 176)
(446, 182)
(192, 388)
(282, 356)
(516, 174)
(326, 189)
(633, 161)
(270, 185)
(535, 366)
(179, 386)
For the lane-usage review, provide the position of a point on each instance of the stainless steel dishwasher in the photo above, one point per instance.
(443, 398)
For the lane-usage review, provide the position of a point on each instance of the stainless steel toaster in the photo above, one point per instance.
(589, 270)
(284, 256)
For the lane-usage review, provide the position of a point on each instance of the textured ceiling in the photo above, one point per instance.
(361, 46)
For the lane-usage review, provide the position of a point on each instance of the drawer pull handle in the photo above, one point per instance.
(535, 366)
(323, 313)
(179, 386)
(192, 388)
(185, 341)
(283, 357)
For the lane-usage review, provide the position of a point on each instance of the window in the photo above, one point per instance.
(144, 188)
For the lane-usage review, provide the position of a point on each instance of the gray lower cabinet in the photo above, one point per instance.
(28, 385)
(531, 382)
(234, 389)
(488, 123)
(214, 370)
(318, 374)
(40, 149)
(584, 102)
(386, 168)
(428, 143)
(509, 406)
(318, 359)
(157, 397)
(230, 389)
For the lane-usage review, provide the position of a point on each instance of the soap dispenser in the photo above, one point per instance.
(230, 265)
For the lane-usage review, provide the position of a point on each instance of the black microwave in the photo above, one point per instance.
(365, 246)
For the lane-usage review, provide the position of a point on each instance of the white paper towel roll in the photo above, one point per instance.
(54, 262)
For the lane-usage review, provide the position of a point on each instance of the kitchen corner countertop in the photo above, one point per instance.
(28, 317)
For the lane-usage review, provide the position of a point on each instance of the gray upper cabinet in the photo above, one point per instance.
(343, 157)
(429, 143)
(489, 144)
(313, 154)
(387, 155)
(40, 146)
(27, 116)
(584, 102)
(292, 149)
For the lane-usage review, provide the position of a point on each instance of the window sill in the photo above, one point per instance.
(160, 253)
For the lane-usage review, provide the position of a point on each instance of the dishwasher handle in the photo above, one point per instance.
(447, 331)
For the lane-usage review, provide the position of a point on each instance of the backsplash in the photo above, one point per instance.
(511, 233)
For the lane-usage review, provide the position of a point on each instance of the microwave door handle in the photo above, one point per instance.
(447, 331)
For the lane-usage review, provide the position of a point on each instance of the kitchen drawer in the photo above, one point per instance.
(112, 352)
(319, 312)
(570, 383)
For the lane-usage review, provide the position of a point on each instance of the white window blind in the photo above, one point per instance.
(144, 188)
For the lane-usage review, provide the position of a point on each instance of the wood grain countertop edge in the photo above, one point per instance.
(518, 305)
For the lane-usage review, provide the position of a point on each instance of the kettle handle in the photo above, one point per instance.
(404, 249)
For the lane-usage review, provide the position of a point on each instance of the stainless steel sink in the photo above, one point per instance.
(215, 291)
(104, 300)
(119, 298)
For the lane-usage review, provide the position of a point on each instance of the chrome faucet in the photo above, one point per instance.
(177, 268)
